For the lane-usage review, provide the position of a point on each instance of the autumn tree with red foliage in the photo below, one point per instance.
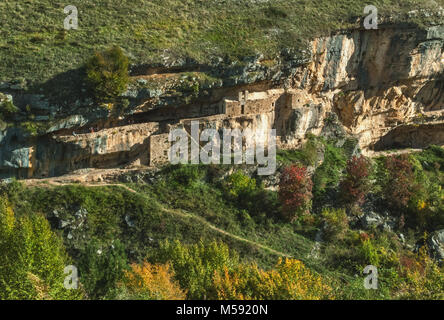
(356, 183)
(295, 191)
(400, 183)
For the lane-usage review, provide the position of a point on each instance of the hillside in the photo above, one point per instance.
(86, 178)
(141, 210)
(34, 45)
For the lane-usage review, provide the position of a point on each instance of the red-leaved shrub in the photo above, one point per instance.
(400, 183)
(295, 191)
(355, 185)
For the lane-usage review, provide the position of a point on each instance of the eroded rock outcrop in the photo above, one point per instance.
(385, 86)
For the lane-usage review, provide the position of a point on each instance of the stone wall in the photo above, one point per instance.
(158, 149)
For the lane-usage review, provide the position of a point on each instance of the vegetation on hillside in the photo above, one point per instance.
(107, 74)
(211, 232)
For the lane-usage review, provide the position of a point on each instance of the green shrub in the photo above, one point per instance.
(107, 74)
(7, 107)
(370, 251)
(335, 223)
(185, 175)
(195, 265)
(432, 158)
(328, 175)
(101, 267)
(239, 186)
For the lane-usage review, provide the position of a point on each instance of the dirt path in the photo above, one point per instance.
(231, 235)
(53, 183)
(376, 154)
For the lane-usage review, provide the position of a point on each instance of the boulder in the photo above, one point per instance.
(371, 219)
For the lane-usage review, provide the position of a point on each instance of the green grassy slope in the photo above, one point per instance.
(35, 46)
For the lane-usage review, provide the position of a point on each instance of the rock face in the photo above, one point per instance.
(374, 220)
(436, 245)
(382, 83)
(385, 86)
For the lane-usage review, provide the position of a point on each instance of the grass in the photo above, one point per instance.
(34, 45)
(207, 200)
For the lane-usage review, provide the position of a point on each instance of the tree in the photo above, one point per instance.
(295, 191)
(33, 258)
(107, 74)
(356, 184)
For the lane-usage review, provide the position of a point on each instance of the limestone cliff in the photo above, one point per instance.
(385, 86)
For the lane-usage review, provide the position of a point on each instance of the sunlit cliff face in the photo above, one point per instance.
(385, 86)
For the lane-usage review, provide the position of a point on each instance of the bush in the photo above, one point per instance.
(239, 186)
(289, 280)
(195, 265)
(400, 181)
(432, 158)
(356, 183)
(370, 252)
(335, 223)
(251, 198)
(185, 175)
(295, 189)
(7, 107)
(107, 74)
(150, 282)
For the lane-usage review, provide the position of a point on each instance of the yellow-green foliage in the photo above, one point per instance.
(289, 280)
(239, 184)
(152, 282)
(33, 258)
(7, 218)
(335, 223)
(423, 279)
(212, 271)
(195, 265)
